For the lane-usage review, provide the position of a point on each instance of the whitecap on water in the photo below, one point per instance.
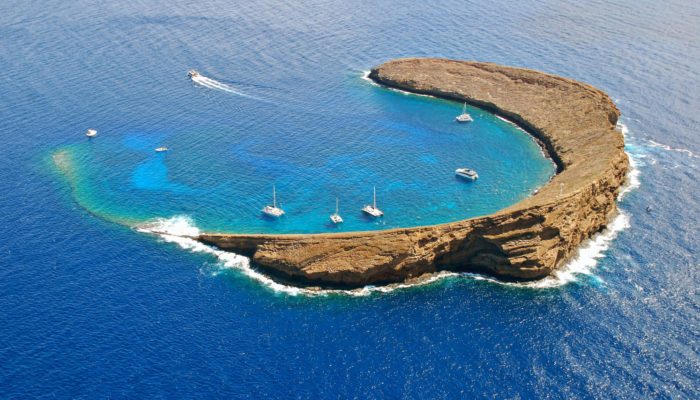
(666, 147)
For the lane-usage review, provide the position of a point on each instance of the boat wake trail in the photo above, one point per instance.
(666, 147)
(216, 85)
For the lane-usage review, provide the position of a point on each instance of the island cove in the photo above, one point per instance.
(574, 121)
(495, 225)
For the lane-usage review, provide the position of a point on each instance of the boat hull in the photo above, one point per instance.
(273, 212)
(373, 212)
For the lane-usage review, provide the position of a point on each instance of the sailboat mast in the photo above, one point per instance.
(274, 196)
(336, 205)
(375, 196)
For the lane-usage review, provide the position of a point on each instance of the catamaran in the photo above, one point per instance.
(91, 133)
(464, 116)
(372, 209)
(336, 218)
(273, 210)
(467, 173)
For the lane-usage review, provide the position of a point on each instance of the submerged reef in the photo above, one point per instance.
(574, 122)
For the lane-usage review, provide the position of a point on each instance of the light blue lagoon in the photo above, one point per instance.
(221, 169)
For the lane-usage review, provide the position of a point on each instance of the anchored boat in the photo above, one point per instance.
(464, 116)
(372, 209)
(162, 149)
(91, 133)
(273, 210)
(336, 218)
(467, 173)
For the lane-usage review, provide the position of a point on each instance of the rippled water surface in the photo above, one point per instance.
(90, 308)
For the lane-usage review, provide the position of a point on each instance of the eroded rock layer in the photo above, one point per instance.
(576, 124)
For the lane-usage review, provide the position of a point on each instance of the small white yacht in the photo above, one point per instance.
(162, 149)
(464, 116)
(372, 209)
(193, 73)
(91, 133)
(467, 173)
(273, 210)
(336, 218)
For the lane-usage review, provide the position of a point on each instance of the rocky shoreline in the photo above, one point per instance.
(575, 123)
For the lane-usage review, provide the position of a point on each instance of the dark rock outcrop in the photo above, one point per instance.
(575, 123)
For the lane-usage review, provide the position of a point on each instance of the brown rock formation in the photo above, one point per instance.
(573, 120)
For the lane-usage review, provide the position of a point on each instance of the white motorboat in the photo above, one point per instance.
(273, 210)
(371, 209)
(467, 173)
(162, 149)
(464, 116)
(336, 218)
(91, 133)
(193, 73)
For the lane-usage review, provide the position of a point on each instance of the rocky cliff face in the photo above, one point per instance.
(576, 124)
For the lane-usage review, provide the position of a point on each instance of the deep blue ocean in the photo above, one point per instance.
(92, 305)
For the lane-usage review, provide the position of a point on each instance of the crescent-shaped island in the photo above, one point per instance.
(574, 122)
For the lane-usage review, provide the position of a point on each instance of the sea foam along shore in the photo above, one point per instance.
(591, 251)
(180, 230)
(365, 77)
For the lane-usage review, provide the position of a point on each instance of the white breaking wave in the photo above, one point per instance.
(633, 174)
(633, 181)
(179, 226)
(582, 264)
(589, 252)
(214, 84)
(181, 230)
(365, 77)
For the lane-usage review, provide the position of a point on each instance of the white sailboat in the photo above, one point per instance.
(273, 210)
(372, 209)
(336, 218)
(464, 116)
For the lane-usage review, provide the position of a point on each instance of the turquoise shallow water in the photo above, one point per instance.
(313, 143)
